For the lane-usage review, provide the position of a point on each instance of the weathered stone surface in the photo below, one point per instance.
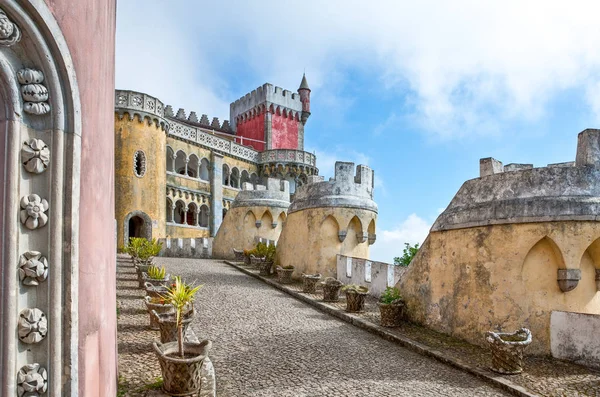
(574, 337)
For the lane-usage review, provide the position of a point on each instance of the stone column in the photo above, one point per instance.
(186, 166)
(197, 222)
(173, 157)
(300, 136)
(216, 188)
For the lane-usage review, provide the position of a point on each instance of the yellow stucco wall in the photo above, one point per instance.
(139, 193)
(309, 241)
(174, 231)
(239, 230)
(468, 281)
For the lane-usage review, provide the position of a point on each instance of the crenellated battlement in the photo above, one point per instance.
(350, 188)
(266, 98)
(275, 193)
(193, 119)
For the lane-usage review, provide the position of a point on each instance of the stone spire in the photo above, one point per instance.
(304, 83)
(304, 92)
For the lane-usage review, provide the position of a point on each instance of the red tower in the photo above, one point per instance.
(271, 118)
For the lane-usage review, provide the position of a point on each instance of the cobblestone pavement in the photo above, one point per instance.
(266, 343)
(542, 376)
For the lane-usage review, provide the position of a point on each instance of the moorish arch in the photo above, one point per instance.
(136, 224)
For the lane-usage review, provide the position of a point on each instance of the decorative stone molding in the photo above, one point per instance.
(10, 34)
(32, 380)
(568, 279)
(35, 156)
(33, 268)
(372, 238)
(258, 224)
(33, 211)
(274, 225)
(342, 235)
(598, 279)
(34, 93)
(33, 326)
(362, 237)
(139, 170)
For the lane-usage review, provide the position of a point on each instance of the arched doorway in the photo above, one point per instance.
(137, 224)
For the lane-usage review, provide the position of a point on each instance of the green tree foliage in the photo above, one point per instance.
(407, 255)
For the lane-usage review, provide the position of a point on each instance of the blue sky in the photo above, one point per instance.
(419, 91)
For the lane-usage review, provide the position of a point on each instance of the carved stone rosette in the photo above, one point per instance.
(33, 268)
(33, 209)
(32, 380)
(35, 156)
(33, 326)
(34, 93)
(10, 34)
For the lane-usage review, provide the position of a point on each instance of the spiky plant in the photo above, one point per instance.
(181, 295)
(156, 273)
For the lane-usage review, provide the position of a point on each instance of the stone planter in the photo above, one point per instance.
(239, 255)
(140, 269)
(154, 291)
(256, 261)
(247, 260)
(284, 276)
(167, 324)
(309, 283)
(391, 314)
(156, 308)
(156, 282)
(331, 289)
(355, 299)
(181, 376)
(507, 350)
(265, 268)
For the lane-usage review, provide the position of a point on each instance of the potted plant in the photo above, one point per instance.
(143, 252)
(391, 307)
(259, 255)
(168, 325)
(267, 264)
(239, 255)
(331, 289)
(134, 248)
(355, 297)
(155, 291)
(247, 254)
(181, 362)
(156, 276)
(284, 274)
(507, 350)
(309, 282)
(156, 305)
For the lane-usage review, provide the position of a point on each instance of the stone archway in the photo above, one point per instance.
(137, 224)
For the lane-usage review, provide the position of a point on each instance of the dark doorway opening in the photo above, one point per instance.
(136, 227)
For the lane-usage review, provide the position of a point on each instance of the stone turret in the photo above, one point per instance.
(328, 218)
(257, 214)
(304, 92)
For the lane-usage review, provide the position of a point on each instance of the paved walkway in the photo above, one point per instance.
(266, 343)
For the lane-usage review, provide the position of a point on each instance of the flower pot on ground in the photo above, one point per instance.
(239, 255)
(180, 362)
(331, 289)
(157, 305)
(507, 350)
(309, 282)
(266, 266)
(142, 250)
(140, 270)
(181, 376)
(284, 274)
(167, 324)
(391, 307)
(156, 276)
(355, 297)
(155, 291)
(256, 261)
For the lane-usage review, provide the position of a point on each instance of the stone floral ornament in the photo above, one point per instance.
(10, 34)
(32, 380)
(33, 326)
(34, 93)
(35, 156)
(33, 209)
(33, 268)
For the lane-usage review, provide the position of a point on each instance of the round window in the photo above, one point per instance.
(139, 163)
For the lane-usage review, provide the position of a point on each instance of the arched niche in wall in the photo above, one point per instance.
(137, 224)
(40, 101)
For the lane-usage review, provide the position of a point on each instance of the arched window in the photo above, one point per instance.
(193, 165)
(204, 214)
(192, 215)
(169, 210)
(225, 175)
(180, 210)
(169, 160)
(139, 163)
(235, 178)
(245, 178)
(180, 162)
(204, 164)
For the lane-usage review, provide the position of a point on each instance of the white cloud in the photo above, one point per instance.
(469, 66)
(390, 243)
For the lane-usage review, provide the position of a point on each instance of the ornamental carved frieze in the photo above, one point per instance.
(33, 325)
(33, 211)
(33, 268)
(32, 380)
(35, 156)
(10, 34)
(34, 93)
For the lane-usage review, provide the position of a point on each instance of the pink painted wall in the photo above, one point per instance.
(89, 29)
(253, 128)
(284, 132)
